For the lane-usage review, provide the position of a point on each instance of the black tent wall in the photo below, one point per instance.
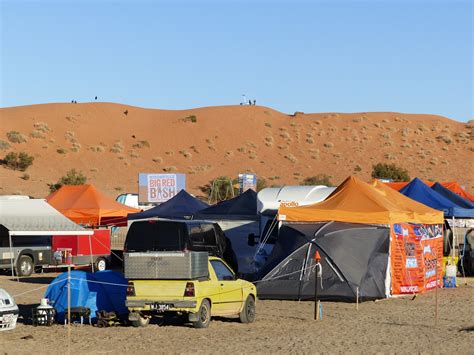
(352, 256)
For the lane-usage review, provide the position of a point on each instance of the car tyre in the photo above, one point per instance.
(100, 264)
(25, 266)
(247, 314)
(204, 315)
(141, 322)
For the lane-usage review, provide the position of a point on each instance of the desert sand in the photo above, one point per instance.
(111, 143)
(399, 325)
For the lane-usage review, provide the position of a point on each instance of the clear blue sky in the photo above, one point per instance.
(312, 56)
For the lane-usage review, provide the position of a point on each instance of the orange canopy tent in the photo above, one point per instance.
(84, 204)
(415, 229)
(355, 201)
(453, 186)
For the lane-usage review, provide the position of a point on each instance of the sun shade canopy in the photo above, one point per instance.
(36, 217)
(419, 191)
(356, 201)
(84, 204)
(243, 206)
(180, 206)
(452, 186)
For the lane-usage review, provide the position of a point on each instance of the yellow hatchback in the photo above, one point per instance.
(220, 294)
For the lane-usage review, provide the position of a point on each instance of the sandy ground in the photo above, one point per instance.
(397, 325)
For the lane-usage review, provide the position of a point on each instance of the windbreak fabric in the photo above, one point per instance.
(84, 204)
(243, 206)
(180, 206)
(355, 201)
(354, 258)
(100, 291)
(419, 191)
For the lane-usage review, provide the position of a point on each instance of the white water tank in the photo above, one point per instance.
(271, 198)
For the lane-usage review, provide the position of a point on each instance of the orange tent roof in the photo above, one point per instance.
(84, 204)
(356, 201)
(453, 186)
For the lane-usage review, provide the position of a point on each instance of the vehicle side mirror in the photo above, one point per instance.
(251, 240)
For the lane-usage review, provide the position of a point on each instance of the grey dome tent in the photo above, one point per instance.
(353, 256)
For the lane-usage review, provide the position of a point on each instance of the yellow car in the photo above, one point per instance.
(222, 294)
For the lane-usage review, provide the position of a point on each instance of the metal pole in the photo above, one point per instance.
(316, 302)
(90, 251)
(436, 295)
(69, 308)
(12, 257)
(357, 298)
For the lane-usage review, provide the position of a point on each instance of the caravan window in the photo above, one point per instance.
(208, 234)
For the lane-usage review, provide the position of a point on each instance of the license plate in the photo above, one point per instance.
(160, 307)
(8, 318)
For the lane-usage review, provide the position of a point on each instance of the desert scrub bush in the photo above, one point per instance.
(25, 177)
(328, 145)
(72, 177)
(70, 136)
(170, 169)
(389, 171)
(320, 179)
(284, 135)
(17, 161)
(117, 148)
(97, 148)
(158, 160)
(357, 168)
(268, 124)
(170, 153)
(252, 155)
(291, 158)
(37, 134)
(16, 137)
(191, 118)
(75, 147)
(61, 150)
(42, 127)
(185, 153)
(310, 140)
(141, 144)
(4, 145)
(134, 154)
(357, 119)
(194, 149)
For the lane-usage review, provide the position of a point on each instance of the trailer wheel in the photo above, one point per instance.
(25, 266)
(100, 264)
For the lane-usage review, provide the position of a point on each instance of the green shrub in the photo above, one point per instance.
(389, 171)
(72, 177)
(4, 145)
(320, 179)
(16, 137)
(191, 118)
(17, 161)
(224, 188)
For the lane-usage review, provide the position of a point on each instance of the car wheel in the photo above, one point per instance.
(204, 315)
(247, 314)
(141, 322)
(25, 266)
(100, 264)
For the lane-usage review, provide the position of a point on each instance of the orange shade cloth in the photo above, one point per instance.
(356, 201)
(84, 204)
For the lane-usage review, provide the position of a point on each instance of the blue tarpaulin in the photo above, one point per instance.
(180, 206)
(243, 206)
(103, 290)
(417, 190)
(453, 197)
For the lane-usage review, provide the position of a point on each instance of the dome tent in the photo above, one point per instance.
(361, 231)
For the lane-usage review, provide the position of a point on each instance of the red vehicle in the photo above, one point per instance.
(82, 250)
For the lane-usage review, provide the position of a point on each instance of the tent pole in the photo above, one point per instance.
(90, 252)
(69, 308)
(12, 256)
(436, 295)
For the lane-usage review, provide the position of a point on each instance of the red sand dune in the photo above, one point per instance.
(111, 143)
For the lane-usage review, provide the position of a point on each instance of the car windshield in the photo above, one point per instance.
(156, 236)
